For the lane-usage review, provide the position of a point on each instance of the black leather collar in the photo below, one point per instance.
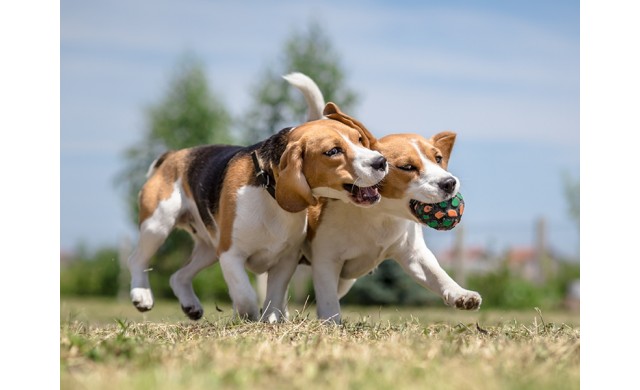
(264, 178)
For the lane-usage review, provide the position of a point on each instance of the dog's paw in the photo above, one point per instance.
(274, 316)
(189, 302)
(247, 312)
(463, 299)
(142, 299)
(193, 312)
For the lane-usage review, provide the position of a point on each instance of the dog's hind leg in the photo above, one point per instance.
(141, 295)
(154, 230)
(181, 281)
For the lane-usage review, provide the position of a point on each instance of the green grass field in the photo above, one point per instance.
(108, 344)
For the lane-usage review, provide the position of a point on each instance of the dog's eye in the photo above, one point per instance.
(333, 151)
(438, 159)
(408, 167)
(360, 140)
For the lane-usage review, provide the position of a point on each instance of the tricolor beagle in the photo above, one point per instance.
(247, 207)
(346, 242)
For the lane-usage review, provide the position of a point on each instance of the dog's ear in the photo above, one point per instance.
(444, 141)
(332, 111)
(292, 190)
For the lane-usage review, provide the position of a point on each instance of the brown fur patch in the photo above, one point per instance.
(444, 142)
(314, 218)
(160, 185)
(332, 111)
(239, 174)
(292, 189)
(399, 151)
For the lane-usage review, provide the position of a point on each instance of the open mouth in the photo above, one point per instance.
(363, 195)
(440, 216)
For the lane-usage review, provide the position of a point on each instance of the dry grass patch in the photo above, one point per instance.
(305, 353)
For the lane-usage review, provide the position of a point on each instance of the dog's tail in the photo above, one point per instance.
(156, 164)
(312, 94)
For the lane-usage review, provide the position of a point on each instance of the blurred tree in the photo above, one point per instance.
(277, 104)
(189, 114)
(572, 195)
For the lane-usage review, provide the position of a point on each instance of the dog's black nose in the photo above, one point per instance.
(447, 185)
(379, 164)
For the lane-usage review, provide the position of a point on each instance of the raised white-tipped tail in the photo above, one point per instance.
(312, 94)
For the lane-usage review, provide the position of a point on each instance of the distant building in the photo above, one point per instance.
(475, 260)
(530, 263)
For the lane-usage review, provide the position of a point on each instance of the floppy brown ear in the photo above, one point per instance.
(444, 141)
(332, 111)
(292, 190)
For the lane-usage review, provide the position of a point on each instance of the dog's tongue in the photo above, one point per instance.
(367, 194)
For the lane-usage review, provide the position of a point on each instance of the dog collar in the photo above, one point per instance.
(264, 178)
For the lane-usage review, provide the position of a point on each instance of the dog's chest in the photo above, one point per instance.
(361, 238)
(264, 231)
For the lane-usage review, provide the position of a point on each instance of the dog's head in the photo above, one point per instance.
(329, 158)
(418, 169)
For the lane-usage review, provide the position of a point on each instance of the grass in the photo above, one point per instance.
(107, 344)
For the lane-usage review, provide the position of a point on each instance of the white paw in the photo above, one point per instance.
(142, 298)
(462, 299)
(273, 316)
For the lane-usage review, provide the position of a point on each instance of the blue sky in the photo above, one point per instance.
(504, 75)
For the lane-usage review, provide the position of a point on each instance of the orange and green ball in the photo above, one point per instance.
(440, 216)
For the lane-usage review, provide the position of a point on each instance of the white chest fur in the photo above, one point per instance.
(361, 238)
(263, 231)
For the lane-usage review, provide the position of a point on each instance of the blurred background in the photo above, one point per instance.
(138, 78)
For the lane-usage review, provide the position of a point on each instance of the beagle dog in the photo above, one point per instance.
(246, 207)
(346, 242)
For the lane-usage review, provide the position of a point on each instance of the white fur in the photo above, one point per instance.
(352, 241)
(266, 239)
(310, 91)
(426, 188)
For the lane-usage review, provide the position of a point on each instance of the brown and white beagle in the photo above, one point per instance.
(246, 207)
(346, 242)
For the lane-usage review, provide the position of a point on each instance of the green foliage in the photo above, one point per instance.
(506, 289)
(99, 273)
(277, 104)
(93, 275)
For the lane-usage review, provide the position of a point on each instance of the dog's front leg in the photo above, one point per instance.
(275, 303)
(421, 264)
(241, 291)
(326, 273)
